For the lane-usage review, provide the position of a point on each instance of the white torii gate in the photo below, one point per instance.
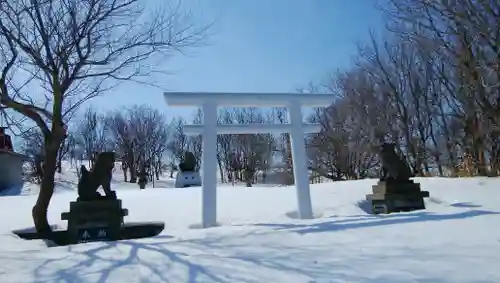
(209, 103)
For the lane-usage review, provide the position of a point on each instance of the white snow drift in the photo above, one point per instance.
(457, 239)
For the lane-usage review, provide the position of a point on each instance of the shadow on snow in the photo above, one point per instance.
(222, 258)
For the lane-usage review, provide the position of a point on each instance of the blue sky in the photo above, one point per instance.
(259, 46)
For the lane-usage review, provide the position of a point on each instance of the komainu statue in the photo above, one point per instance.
(100, 175)
(394, 168)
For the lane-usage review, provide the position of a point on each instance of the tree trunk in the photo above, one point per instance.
(39, 211)
(495, 155)
(158, 169)
(221, 170)
(131, 167)
(124, 174)
(133, 174)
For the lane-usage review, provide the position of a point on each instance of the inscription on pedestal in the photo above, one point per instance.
(90, 221)
(93, 234)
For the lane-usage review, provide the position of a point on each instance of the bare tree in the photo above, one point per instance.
(92, 136)
(194, 143)
(140, 134)
(235, 153)
(240, 157)
(119, 133)
(150, 135)
(68, 145)
(429, 86)
(159, 148)
(178, 143)
(460, 35)
(33, 148)
(225, 158)
(71, 51)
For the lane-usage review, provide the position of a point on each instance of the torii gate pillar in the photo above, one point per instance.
(209, 130)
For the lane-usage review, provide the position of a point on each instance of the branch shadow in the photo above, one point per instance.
(97, 264)
(347, 224)
(94, 258)
(293, 260)
(218, 258)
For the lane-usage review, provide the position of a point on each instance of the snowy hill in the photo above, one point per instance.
(456, 239)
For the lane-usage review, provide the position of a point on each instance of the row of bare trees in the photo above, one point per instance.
(142, 135)
(431, 85)
(138, 135)
(240, 157)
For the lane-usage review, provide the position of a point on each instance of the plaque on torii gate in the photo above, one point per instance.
(209, 102)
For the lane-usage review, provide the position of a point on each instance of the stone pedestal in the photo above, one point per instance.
(187, 179)
(396, 196)
(97, 220)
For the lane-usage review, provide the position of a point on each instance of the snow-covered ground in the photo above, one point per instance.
(457, 239)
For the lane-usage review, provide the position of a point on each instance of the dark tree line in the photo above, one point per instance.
(239, 157)
(142, 135)
(431, 85)
(138, 135)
